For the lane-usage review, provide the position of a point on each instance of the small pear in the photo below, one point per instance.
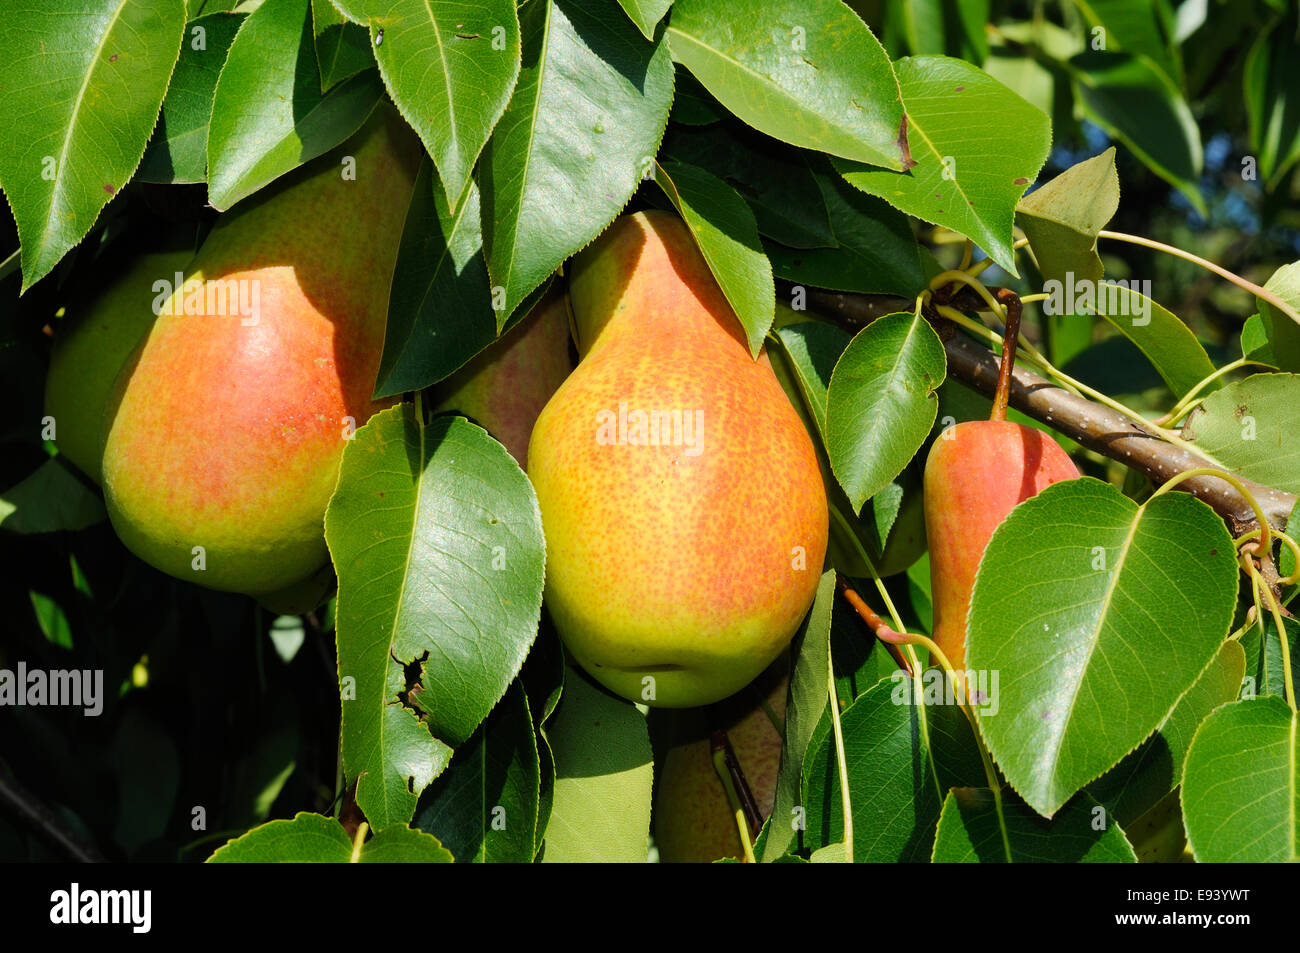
(681, 498)
(224, 440)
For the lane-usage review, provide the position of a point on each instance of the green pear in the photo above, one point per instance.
(227, 427)
(693, 818)
(683, 506)
(90, 346)
(507, 384)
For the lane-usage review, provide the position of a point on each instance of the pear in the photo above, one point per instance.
(977, 472)
(224, 438)
(506, 385)
(90, 346)
(693, 818)
(680, 494)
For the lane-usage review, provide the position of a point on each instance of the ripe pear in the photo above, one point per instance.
(90, 346)
(693, 818)
(508, 383)
(977, 472)
(229, 423)
(683, 506)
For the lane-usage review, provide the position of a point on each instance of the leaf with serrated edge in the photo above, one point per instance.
(83, 84)
(1248, 427)
(437, 540)
(727, 236)
(580, 133)
(1096, 615)
(1062, 217)
(316, 839)
(973, 830)
(646, 14)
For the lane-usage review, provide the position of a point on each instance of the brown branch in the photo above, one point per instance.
(1090, 424)
(44, 819)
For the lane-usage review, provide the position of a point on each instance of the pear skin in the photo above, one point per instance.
(977, 472)
(90, 347)
(681, 498)
(223, 447)
(507, 384)
(693, 819)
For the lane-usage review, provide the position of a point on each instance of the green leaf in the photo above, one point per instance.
(603, 771)
(178, 151)
(876, 251)
(773, 178)
(83, 81)
(1136, 103)
(969, 173)
(891, 778)
(1134, 785)
(1061, 219)
(951, 27)
(724, 229)
(579, 135)
(51, 498)
(315, 839)
(646, 14)
(268, 113)
(483, 808)
(1097, 614)
(450, 67)
(1280, 331)
(1249, 427)
(1272, 89)
(882, 402)
(148, 770)
(1241, 784)
(809, 679)
(808, 72)
(1133, 26)
(971, 831)
(342, 48)
(1167, 342)
(437, 540)
(1265, 674)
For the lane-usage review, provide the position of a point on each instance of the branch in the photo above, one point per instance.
(1087, 423)
(29, 809)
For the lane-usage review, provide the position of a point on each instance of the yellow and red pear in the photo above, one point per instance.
(507, 384)
(681, 498)
(224, 443)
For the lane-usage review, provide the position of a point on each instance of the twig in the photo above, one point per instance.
(29, 809)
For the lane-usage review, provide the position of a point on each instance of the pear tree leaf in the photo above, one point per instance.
(1099, 615)
(1265, 673)
(603, 772)
(268, 113)
(646, 14)
(316, 839)
(83, 82)
(972, 830)
(951, 27)
(483, 808)
(342, 47)
(1240, 784)
(882, 403)
(724, 229)
(808, 72)
(968, 173)
(1129, 97)
(578, 136)
(1133, 26)
(1272, 91)
(437, 539)
(450, 67)
(1248, 427)
(1280, 331)
(875, 251)
(1062, 217)
(808, 699)
(49, 499)
(178, 151)
(1134, 785)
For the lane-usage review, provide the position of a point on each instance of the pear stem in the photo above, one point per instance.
(1011, 302)
(357, 841)
(840, 756)
(739, 796)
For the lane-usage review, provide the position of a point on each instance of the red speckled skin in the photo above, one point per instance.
(662, 564)
(506, 385)
(976, 474)
(228, 436)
